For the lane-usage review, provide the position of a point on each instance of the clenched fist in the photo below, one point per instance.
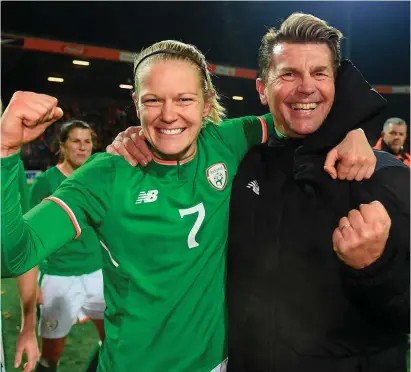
(361, 237)
(26, 117)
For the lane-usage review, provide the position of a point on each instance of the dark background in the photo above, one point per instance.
(377, 40)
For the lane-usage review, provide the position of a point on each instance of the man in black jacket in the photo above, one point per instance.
(318, 270)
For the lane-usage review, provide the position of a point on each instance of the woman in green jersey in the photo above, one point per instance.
(71, 280)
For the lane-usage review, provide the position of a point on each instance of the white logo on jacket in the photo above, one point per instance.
(254, 186)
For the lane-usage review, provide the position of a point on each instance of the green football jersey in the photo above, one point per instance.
(80, 256)
(164, 231)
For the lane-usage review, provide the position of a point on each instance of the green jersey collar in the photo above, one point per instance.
(279, 134)
(175, 162)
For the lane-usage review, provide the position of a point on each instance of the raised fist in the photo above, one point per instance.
(26, 117)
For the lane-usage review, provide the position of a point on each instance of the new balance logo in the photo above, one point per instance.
(254, 186)
(147, 197)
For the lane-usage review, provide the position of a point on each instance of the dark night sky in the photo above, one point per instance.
(228, 32)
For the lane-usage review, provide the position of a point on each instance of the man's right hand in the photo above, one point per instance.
(26, 117)
(131, 145)
(360, 238)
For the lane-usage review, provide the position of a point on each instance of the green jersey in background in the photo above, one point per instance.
(81, 256)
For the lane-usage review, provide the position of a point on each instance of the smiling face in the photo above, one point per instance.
(300, 87)
(171, 107)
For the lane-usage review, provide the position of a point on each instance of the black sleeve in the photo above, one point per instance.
(382, 290)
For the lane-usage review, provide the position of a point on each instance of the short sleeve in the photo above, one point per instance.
(241, 134)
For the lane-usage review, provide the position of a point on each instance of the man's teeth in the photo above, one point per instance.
(171, 131)
(304, 106)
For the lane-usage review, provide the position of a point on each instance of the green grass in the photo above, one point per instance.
(79, 343)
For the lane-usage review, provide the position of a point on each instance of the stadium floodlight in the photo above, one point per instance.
(55, 79)
(126, 86)
(237, 98)
(81, 63)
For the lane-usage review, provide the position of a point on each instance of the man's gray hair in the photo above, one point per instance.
(396, 121)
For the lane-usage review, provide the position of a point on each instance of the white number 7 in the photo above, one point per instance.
(199, 208)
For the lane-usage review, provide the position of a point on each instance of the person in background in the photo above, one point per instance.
(71, 281)
(393, 138)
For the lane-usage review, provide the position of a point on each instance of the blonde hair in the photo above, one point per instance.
(176, 50)
(300, 28)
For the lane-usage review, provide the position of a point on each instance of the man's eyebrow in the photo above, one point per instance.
(287, 69)
(320, 68)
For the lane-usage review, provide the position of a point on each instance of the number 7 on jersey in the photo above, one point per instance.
(199, 208)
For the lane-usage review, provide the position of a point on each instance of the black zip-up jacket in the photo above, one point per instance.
(292, 304)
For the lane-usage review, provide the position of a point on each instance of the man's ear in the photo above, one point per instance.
(135, 104)
(260, 86)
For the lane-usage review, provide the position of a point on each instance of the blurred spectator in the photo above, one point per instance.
(393, 139)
